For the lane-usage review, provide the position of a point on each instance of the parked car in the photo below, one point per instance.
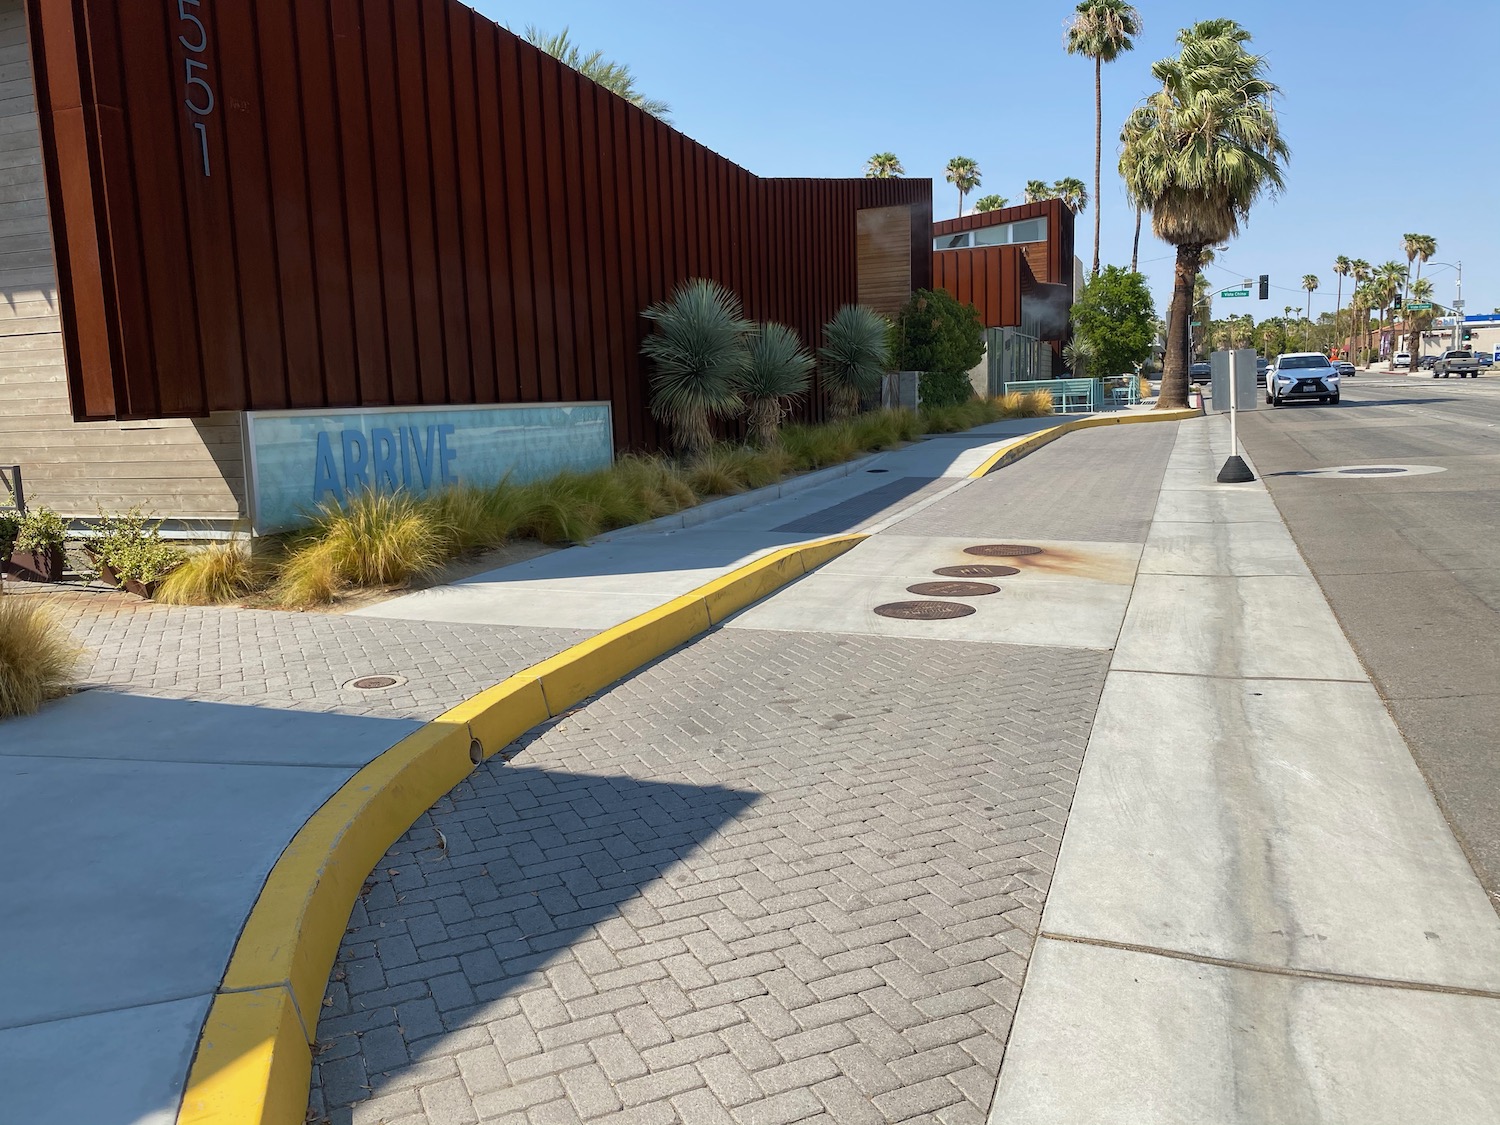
(1261, 368)
(1486, 359)
(1345, 368)
(1401, 360)
(1456, 361)
(1298, 376)
(1200, 373)
(1426, 362)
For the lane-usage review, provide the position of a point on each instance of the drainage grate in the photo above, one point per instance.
(924, 611)
(976, 570)
(1371, 471)
(953, 589)
(373, 683)
(1002, 550)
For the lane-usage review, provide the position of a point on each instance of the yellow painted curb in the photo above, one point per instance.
(252, 1065)
(1032, 442)
(254, 1058)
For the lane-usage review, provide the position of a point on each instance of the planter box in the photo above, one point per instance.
(108, 576)
(37, 566)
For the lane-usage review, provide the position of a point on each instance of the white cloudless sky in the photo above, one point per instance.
(813, 88)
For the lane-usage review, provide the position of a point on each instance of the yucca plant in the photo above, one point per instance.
(777, 375)
(854, 357)
(699, 360)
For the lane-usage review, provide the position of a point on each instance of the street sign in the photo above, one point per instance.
(1235, 293)
(1418, 306)
(1197, 324)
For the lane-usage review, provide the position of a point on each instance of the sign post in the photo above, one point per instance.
(1241, 365)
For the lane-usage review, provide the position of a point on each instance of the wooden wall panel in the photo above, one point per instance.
(406, 205)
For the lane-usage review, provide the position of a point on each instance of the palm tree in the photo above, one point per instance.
(1387, 280)
(1341, 267)
(1038, 190)
(1418, 247)
(778, 372)
(989, 203)
(1101, 30)
(1359, 269)
(1417, 323)
(884, 166)
(1309, 282)
(1199, 153)
(699, 359)
(1073, 192)
(613, 76)
(963, 173)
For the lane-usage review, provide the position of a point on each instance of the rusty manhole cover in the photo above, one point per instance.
(374, 683)
(976, 570)
(1002, 550)
(924, 611)
(953, 589)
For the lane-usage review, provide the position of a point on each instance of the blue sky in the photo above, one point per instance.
(813, 88)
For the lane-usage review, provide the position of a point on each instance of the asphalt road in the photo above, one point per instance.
(1411, 565)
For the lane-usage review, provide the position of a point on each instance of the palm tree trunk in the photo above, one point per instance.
(1174, 371)
(1135, 247)
(1098, 149)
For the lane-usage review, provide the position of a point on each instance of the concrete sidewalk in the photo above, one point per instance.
(1259, 913)
(151, 806)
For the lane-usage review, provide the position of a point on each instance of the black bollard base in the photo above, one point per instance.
(1235, 471)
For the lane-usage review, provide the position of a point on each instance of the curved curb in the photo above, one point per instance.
(1032, 442)
(253, 1064)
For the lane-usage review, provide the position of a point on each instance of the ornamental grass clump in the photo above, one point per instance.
(375, 539)
(214, 575)
(38, 658)
(699, 360)
(777, 375)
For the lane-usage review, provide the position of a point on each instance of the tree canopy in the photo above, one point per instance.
(1115, 315)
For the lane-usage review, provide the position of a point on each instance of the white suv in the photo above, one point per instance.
(1400, 360)
(1302, 375)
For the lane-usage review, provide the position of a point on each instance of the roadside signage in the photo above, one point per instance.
(1419, 306)
(1235, 293)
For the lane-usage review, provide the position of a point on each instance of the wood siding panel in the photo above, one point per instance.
(414, 207)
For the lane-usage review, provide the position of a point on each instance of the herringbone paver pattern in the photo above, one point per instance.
(772, 878)
(299, 661)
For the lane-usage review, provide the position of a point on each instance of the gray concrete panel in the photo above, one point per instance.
(85, 928)
(1268, 822)
(1208, 626)
(1235, 549)
(1115, 1037)
(125, 1067)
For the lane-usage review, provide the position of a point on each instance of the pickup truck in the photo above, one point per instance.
(1456, 361)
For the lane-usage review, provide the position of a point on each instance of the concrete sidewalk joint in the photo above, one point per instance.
(254, 1059)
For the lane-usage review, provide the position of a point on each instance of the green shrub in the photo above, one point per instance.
(40, 530)
(1115, 318)
(38, 659)
(130, 544)
(698, 358)
(935, 332)
(854, 357)
(945, 388)
(10, 527)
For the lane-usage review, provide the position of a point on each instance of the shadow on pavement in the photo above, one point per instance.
(456, 939)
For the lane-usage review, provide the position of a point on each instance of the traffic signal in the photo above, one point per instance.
(1468, 334)
(1265, 286)
(1395, 303)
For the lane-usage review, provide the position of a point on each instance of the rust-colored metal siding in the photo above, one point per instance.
(987, 277)
(391, 202)
(1051, 261)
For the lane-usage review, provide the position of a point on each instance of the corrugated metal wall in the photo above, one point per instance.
(1051, 261)
(265, 204)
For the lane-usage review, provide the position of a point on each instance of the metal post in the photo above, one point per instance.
(1235, 471)
(1458, 309)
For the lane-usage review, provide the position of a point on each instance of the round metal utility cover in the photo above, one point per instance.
(924, 611)
(1002, 550)
(374, 683)
(953, 589)
(1372, 470)
(976, 570)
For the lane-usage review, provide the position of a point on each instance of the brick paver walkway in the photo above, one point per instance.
(773, 878)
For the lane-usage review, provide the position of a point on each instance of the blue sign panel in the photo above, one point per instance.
(300, 460)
